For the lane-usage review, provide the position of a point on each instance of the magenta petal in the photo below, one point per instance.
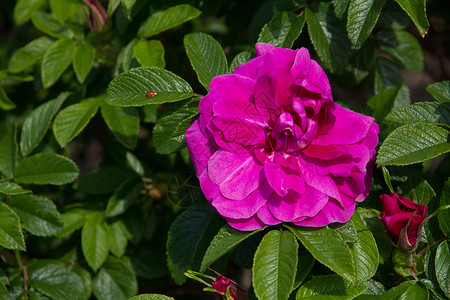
(200, 147)
(266, 216)
(244, 208)
(323, 184)
(275, 177)
(237, 174)
(285, 208)
(248, 224)
(300, 67)
(263, 48)
(340, 133)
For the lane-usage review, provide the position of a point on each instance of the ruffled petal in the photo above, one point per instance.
(237, 175)
(248, 224)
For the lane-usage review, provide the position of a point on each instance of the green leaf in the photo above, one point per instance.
(8, 149)
(29, 54)
(56, 60)
(362, 17)
(184, 237)
(423, 112)
(46, 168)
(440, 91)
(51, 278)
(150, 53)
(47, 23)
(38, 214)
(305, 264)
(71, 120)
(415, 292)
(128, 5)
(4, 294)
(60, 9)
(329, 248)
(103, 181)
(72, 220)
(413, 143)
(112, 6)
(226, 239)
(118, 238)
(275, 265)
(123, 123)
(24, 9)
(340, 6)
(83, 58)
(129, 88)
(115, 280)
(403, 47)
(388, 75)
(365, 250)
(151, 297)
(11, 236)
(330, 287)
(328, 36)
(240, 59)
(416, 10)
(123, 197)
(95, 241)
(168, 133)
(282, 30)
(442, 265)
(444, 216)
(166, 19)
(125, 57)
(393, 17)
(11, 188)
(36, 124)
(206, 57)
(383, 102)
(5, 102)
(424, 193)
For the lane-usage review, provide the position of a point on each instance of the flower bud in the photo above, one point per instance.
(222, 284)
(404, 220)
(96, 16)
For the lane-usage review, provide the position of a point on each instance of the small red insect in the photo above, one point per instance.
(150, 94)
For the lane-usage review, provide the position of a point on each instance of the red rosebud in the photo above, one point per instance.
(221, 284)
(96, 16)
(403, 220)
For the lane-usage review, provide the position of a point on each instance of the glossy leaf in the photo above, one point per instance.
(29, 54)
(282, 30)
(71, 120)
(46, 168)
(51, 278)
(328, 36)
(442, 265)
(115, 280)
(240, 59)
(123, 197)
(38, 214)
(329, 248)
(151, 297)
(123, 123)
(383, 102)
(60, 9)
(24, 9)
(423, 112)
(225, 240)
(72, 219)
(49, 24)
(440, 91)
(168, 133)
(150, 53)
(36, 124)
(206, 57)
(362, 17)
(444, 216)
(413, 143)
(340, 7)
(416, 10)
(166, 19)
(8, 149)
(11, 236)
(275, 265)
(11, 188)
(184, 237)
(130, 87)
(95, 241)
(5, 102)
(56, 60)
(403, 47)
(118, 238)
(83, 59)
(330, 287)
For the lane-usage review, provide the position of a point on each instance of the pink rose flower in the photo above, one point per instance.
(400, 214)
(271, 146)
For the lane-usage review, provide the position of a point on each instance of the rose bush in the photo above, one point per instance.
(403, 219)
(271, 146)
